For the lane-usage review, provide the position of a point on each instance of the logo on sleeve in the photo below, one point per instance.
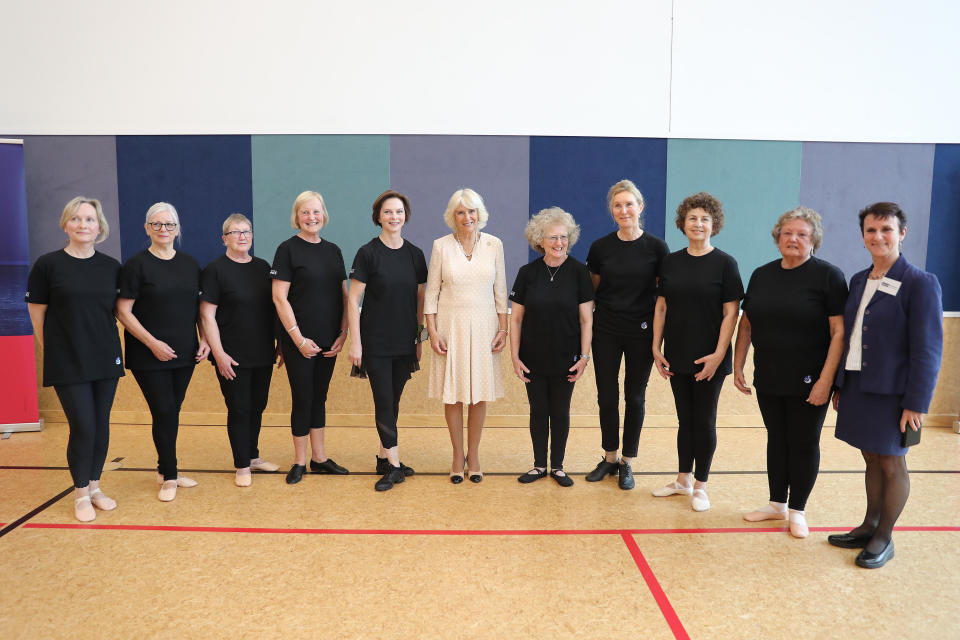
(807, 379)
(28, 294)
(351, 271)
(273, 272)
(513, 293)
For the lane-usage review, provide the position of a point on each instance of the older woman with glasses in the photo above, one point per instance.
(793, 315)
(551, 325)
(238, 319)
(158, 308)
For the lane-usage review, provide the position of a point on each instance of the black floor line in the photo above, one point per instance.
(485, 473)
(16, 523)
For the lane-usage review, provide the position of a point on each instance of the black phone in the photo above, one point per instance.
(910, 437)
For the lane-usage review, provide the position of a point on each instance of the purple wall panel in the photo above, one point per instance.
(430, 168)
(60, 168)
(839, 179)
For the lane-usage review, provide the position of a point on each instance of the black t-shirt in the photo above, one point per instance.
(316, 274)
(80, 338)
(550, 331)
(788, 311)
(245, 316)
(165, 302)
(628, 274)
(695, 288)
(388, 322)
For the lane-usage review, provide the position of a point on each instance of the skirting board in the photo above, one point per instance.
(26, 426)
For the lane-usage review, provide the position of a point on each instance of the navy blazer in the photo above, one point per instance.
(902, 336)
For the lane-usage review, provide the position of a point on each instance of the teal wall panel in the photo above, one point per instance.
(350, 171)
(755, 181)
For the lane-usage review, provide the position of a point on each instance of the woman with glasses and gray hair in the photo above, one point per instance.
(70, 298)
(793, 316)
(157, 305)
(551, 328)
(238, 319)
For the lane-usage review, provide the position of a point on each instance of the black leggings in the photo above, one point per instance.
(608, 351)
(696, 404)
(793, 446)
(246, 398)
(549, 398)
(387, 375)
(309, 382)
(87, 406)
(164, 391)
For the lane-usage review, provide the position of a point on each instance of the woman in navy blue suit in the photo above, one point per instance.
(893, 324)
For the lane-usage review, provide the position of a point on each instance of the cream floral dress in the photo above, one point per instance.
(466, 295)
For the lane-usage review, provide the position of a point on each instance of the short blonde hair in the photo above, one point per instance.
(470, 199)
(160, 207)
(71, 209)
(235, 218)
(306, 196)
(546, 218)
(620, 187)
(806, 214)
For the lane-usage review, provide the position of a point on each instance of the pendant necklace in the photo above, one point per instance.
(553, 273)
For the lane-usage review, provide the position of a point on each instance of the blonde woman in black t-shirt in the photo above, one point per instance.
(309, 292)
(70, 296)
(793, 315)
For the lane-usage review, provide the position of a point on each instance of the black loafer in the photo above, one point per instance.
(625, 476)
(564, 480)
(869, 560)
(327, 466)
(295, 474)
(602, 470)
(848, 541)
(532, 476)
(383, 466)
(390, 478)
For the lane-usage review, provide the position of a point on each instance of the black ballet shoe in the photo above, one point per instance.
(390, 478)
(327, 466)
(295, 474)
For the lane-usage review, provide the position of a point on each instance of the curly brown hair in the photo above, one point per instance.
(705, 201)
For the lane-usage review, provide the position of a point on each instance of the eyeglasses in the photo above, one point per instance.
(240, 234)
(558, 238)
(169, 226)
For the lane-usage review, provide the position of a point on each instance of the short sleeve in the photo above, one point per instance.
(131, 277)
(38, 284)
(420, 266)
(732, 289)
(745, 304)
(663, 277)
(836, 292)
(519, 292)
(362, 268)
(593, 259)
(210, 289)
(282, 268)
(661, 251)
(584, 286)
(340, 265)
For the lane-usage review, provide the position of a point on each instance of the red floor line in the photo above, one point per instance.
(654, 585)
(443, 532)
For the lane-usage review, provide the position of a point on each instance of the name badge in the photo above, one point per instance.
(889, 286)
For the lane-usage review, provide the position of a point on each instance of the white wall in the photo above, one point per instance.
(842, 70)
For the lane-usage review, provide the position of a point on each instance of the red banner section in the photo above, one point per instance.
(18, 380)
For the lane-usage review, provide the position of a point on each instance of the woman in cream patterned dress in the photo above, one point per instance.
(465, 307)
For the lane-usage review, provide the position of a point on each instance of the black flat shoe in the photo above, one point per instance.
(602, 470)
(869, 560)
(328, 466)
(625, 476)
(390, 478)
(383, 465)
(295, 474)
(532, 476)
(564, 480)
(848, 541)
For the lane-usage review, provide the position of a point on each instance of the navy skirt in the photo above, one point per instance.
(869, 421)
